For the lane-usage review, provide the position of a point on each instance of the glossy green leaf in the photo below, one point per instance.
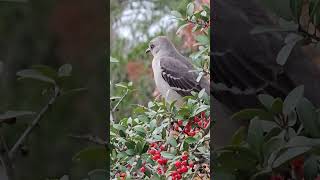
(190, 9)
(293, 99)
(266, 100)
(65, 70)
(289, 154)
(14, 114)
(33, 74)
(248, 114)
(308, 117)
(285, 51)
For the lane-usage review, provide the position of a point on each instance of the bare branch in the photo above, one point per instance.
(90, 138)
(5, 159)
(34, 123)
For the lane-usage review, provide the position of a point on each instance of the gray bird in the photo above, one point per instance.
(174, 75)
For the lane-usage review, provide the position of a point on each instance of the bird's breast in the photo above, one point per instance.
(162, 86)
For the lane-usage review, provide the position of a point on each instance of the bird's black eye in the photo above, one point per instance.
(151, 46)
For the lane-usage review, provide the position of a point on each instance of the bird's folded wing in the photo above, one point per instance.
(179, 76)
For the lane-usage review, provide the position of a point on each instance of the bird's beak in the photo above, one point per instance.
(148, 50)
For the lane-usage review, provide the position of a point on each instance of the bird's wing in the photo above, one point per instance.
(179, 76)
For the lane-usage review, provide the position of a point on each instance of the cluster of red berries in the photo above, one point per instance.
(121, 175)
(197, 122)
(182, 166)
(155, 152)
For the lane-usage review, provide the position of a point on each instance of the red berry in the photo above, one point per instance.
(184, 157)
(142, 169)
(191, 165)
(174, 173)
(163, 147)
(184, 163)
(155, 145)
(156, 157)
(152, 151)
(191, 133)
(178, 176)
(183, 169)
(123, 174)
(200, 124)
(180, 122)
(162, 161)
(203, 115)
(196, 119)
(177, 164)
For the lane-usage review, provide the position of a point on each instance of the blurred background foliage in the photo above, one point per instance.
(53, 33)
(133, 25)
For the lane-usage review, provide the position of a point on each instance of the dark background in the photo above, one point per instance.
(54, 32)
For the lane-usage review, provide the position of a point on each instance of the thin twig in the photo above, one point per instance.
(121, 99)
(5, 159)
(90, 138)
(34, 123)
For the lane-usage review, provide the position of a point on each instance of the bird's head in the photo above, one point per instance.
(160, 45)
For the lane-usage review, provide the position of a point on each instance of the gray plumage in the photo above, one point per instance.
(174, 75)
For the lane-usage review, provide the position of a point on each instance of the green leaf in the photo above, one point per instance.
(200, 109)
(296, 8)
(190, 9)
(91, 154)
(308, 117)
(288, 155)
(201, 93)
(266, 100)
(130, 152)
(167, 155)
(191, 140)
(14, 114)
(45, 70)
(176, 14)
(248, 114)
(236, 157)
(113, 60)
(255, 135)
(202, 39)
(277, 106)
(239, 136)
(119, 127)
(33, 74)
(65, 70)
(314, 11)
(122, 85)
(274, 143)
(172, 141)
(302, 141)
(293, 99)
(285, 51)
(292, 119)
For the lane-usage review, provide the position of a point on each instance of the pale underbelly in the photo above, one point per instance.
(163, 87)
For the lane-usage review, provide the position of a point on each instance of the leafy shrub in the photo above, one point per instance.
(282, 141)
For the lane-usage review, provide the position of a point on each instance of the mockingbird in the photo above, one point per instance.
(174, 75)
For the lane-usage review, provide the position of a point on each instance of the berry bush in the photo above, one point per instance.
(162, 141)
